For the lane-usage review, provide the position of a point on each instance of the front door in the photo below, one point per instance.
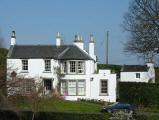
(48, 85)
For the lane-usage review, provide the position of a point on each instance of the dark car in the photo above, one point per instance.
(119, 107)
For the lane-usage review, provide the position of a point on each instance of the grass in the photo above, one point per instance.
(152, 110)
(153, 117)
(63, 105)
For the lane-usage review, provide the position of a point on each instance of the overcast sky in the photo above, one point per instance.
(38, 21)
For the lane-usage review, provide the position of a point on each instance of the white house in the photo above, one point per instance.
(79, 67)
(138, 73)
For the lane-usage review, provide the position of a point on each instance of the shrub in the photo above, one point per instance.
(139, 94)
(27, 115)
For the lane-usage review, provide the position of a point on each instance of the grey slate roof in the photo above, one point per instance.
(134, 68)
(63, 52)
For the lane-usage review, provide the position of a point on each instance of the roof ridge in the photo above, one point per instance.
(63, 52)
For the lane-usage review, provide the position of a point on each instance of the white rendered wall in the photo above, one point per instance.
(36, 71)
(80, 45)
(131, 77)
(13, 41)
(144, 76)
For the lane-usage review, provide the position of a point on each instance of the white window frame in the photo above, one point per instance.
(80, 67)
(28, 86)
(71, 67)
(79, 87)
(47, 63)
(101, 93)
(72, 87)
(64, 87)
(64, 67)
(24, 64)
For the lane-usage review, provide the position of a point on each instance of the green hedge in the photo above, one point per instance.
(27, 115)
(139, 94)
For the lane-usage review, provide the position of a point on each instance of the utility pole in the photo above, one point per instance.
(107, 48)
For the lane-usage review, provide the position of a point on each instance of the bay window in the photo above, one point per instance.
(81, 87)
(64, 67)
(63, 87)
(72, 66)
(80, 67)
(72, 87)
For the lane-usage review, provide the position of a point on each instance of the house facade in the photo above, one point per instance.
(78, 76)
(138, 73)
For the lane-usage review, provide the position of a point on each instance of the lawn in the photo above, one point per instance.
(63, 105)
(152, 117)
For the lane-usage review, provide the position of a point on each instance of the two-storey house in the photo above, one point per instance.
(80, 78)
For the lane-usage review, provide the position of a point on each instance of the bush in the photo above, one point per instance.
(27, 115)
(139, 94)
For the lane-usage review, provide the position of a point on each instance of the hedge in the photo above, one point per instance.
(27, 115)
(139, 94)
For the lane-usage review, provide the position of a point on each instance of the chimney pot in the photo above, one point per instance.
(13, 34)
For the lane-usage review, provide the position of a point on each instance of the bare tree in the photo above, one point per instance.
(142, 22)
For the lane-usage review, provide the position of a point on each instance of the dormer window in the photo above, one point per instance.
(47, 65)
(25, 65)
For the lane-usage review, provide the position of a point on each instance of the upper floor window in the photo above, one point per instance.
(72, 67)
(25, 65)
(137, 75)
(47, 65)
(103, 87)
(80, 67)
(64, 67)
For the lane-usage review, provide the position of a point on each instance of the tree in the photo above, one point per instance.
(142, 22)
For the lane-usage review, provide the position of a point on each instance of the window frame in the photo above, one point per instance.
(80, 87)
(138, 75)
(82, 67)
(24, 65)
(64, 67)
(46, 87)
(48, 65)
(100, 88)
(72, 87)
(76, 88)
(66, 88)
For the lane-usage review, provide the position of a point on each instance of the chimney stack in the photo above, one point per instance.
(58, 39)
(79, 42)
(91, 46)
(13, 38)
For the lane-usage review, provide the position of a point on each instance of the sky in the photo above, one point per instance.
(38, 21)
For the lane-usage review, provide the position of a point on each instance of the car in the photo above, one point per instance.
(119, 107)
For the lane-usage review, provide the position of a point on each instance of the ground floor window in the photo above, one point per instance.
(104, 87)
(63, 87)
(81, 87)
(48, 84)
(73, 87)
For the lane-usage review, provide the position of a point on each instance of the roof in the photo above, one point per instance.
(63, 52)
(134, 68)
